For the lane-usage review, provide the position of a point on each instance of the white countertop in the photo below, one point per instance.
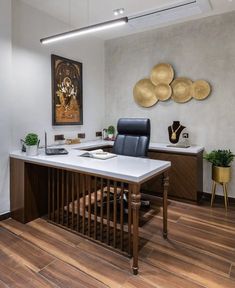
(153, 146)
(163, 147)
(122, 167)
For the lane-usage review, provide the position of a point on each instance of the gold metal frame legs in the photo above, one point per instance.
(225, 190)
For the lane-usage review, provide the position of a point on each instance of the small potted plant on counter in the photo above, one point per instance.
(111, 132)
(31, 141)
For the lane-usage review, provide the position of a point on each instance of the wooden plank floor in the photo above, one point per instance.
(199, 252)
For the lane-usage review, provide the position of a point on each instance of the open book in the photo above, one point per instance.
(98, 154)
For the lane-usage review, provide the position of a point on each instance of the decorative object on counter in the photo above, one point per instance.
(72, 141)
(200, 89)
(162, 73)
(31, 142)
(182, 90)
(221, 171)
(174, 131)
(161, 86)
(111, 132)
(144, 93)
(23, 147)
(67, 106)
(104, 134)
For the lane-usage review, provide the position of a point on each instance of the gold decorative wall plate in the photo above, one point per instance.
(200, 89)
(144, 93)
(162, 73)
(163, 91)
(181, 90)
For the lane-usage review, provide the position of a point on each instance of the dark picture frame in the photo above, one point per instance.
(67, 95)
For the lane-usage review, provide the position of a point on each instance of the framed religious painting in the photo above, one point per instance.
(67, 108)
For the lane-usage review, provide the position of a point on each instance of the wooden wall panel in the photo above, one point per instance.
(28, 186)
(185, 175)
(17, 189)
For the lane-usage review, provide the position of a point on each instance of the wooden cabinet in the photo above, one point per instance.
(186, 175)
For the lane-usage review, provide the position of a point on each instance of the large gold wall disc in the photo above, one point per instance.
(200, 89)
(163, 91)
(144, 94)
(162, 73)
(181, 90)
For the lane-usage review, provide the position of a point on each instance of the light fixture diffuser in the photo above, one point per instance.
(85, 30)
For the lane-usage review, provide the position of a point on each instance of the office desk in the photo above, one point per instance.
(86, 195)
(186, 175)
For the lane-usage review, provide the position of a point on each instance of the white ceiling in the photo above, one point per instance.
(78, 13)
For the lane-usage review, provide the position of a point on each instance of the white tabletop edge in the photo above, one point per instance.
(125, 168)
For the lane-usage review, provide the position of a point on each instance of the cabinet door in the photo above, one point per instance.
(183, 175)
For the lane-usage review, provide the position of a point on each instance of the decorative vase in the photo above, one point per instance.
(32, 150)
(110, 136)
(221, 174)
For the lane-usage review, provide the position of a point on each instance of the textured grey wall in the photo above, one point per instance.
(200, 49)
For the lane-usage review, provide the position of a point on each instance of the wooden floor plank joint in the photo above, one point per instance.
(199, 253)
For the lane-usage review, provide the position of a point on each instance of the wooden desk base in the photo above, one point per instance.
(38, 190)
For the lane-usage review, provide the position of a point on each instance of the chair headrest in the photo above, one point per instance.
(134, 126)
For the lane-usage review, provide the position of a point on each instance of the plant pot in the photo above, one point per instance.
(110, 136)
(221, 174)
(32, 150)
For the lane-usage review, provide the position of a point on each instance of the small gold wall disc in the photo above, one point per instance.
(162, 73)
(144, 93)
(163, 91)
(200, 89)
(181, 90)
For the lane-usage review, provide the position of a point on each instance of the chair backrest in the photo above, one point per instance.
(133, 137)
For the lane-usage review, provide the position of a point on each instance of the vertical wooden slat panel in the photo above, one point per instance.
(122, 215)
(129, 218)
(72, 191)
(102, 209)
(67, 198)
(89, 179)
(108, 213)
(115, 215)
(83, 203)
(62, 196)
(53, 193)
(78, 188)
(58, 195)
(49, 193)
(95, 209)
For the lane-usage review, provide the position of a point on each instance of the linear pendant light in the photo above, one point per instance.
(85, 30)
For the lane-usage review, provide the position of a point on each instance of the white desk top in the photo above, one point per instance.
(122, 167)
(153, 146)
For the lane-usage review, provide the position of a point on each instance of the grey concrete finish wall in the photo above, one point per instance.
(199, 49)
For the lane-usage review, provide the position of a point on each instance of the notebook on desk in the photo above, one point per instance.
(98, 154)
(54, 151)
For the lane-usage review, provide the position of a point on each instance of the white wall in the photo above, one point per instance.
(32, 75)
(27, 107)
(5, 108)
(200, 49)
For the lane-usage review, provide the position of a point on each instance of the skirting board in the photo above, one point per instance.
(207, 196)
(5, 216)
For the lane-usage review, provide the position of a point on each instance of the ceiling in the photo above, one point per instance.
(79, 13)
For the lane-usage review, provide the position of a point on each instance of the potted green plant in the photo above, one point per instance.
(31, 141)
(221, 161)
(111, 132)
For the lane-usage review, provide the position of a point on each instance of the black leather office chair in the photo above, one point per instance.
(133, 137)
(132, 140)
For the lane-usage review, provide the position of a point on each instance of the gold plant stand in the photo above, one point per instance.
(220, 175)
